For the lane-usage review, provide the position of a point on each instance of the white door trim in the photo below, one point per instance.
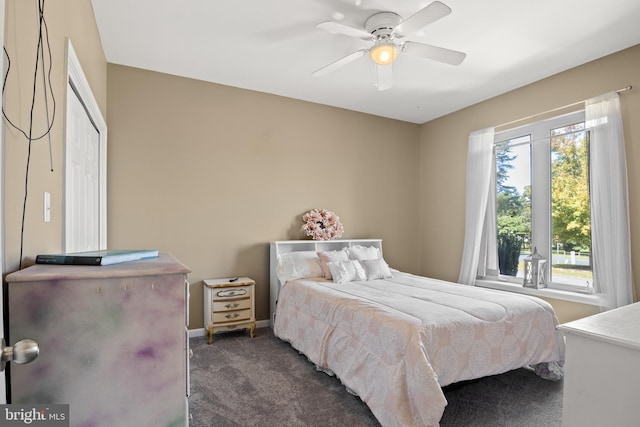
(77, 79)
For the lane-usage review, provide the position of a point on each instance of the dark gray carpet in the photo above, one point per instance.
(239, 381)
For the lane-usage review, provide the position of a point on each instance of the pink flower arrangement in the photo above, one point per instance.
(321, 224)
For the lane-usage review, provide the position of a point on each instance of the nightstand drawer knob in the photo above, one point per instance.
(232, 316)
(234, 305)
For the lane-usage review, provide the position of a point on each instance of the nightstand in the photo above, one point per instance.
(229, 306)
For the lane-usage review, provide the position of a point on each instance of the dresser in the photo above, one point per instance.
(113, 341)
(229, 305)
(602, 379)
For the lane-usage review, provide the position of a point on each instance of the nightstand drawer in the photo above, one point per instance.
(227, 305)
(231, 292)
(232, 316)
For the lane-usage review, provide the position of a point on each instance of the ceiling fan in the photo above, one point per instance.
(388, 31)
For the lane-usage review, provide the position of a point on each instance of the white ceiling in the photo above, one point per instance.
(273, 46)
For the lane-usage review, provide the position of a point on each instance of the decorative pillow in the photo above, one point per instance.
(359, 252)
(298, 265)
(346, 271)
(331, 256)
(375, 269)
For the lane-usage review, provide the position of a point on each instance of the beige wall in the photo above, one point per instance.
(212, 174)
(71, 19)
(443, 145)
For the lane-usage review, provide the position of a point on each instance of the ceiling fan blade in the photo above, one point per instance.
(448, 56)
(422, 18)
(336, 28)
(339, 63)
(384, 75)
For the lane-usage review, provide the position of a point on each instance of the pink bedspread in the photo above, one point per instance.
(396, 342)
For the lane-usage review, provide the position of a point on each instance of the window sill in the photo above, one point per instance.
(588, 299)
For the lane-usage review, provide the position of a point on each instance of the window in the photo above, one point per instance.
(566, 163)
(542, 199)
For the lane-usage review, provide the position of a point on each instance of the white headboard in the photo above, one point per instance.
(283, 246)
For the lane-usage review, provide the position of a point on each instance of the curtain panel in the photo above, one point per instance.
(480, 166)
(610, 235)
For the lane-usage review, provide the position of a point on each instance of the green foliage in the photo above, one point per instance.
(503, 166)
(509, 247)
(513, 211)
(514, 226)
(571, 212)
(508, 204)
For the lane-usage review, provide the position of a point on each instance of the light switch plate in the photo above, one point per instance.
(47, 207)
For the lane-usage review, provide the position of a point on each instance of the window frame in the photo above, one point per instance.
(539, 133)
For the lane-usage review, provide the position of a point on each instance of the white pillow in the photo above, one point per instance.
(346, 271)
(359, 252)
(331, 256)
(376, 269)
(298, 265)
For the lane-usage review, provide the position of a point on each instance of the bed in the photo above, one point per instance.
(395, 339)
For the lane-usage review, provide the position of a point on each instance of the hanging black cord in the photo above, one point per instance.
(29, 139)
(44, 88)
(53, 99)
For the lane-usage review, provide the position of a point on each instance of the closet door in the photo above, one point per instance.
(82, 197)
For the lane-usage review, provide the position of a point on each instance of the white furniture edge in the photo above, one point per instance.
(280, 247)
(618, 326)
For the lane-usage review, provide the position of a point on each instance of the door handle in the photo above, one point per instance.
(24, 351)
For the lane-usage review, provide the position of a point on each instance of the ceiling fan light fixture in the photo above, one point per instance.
(383, 53)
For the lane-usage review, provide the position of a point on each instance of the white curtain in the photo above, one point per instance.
(480, 161)
(609, 202)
